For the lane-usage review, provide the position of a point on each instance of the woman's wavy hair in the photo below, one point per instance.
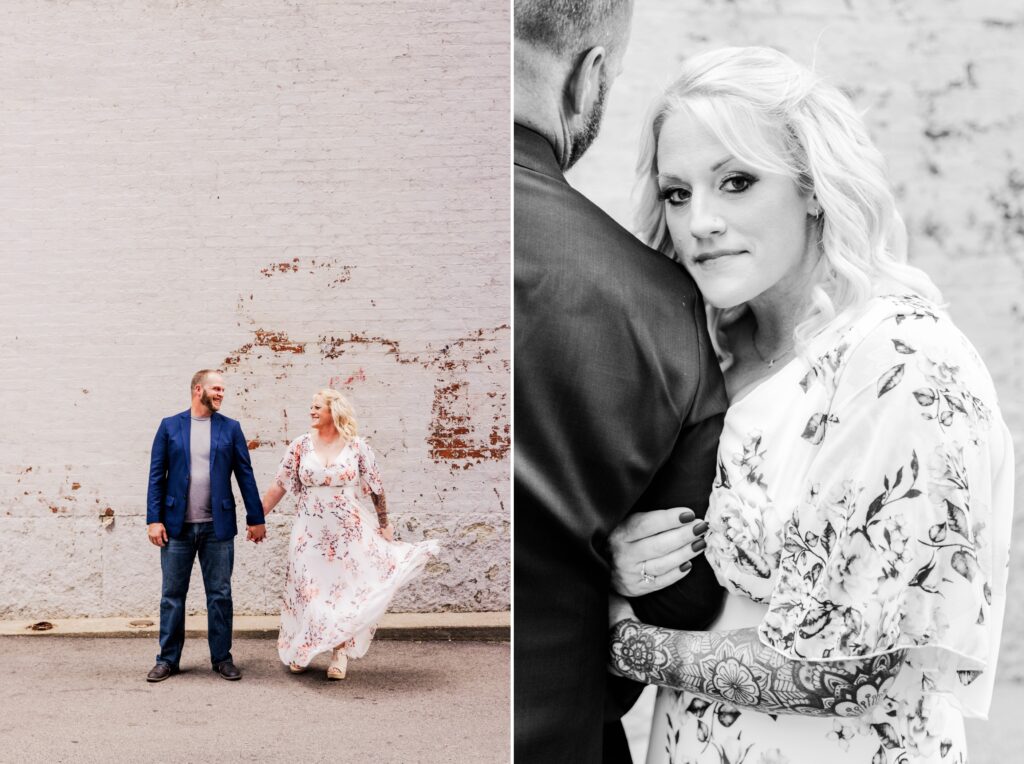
(780, 117)
(342, 413)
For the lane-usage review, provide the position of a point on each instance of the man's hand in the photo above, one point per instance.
(157, 534)
(651, 550)
(256, 533)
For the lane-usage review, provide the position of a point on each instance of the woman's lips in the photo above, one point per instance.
(717, 254)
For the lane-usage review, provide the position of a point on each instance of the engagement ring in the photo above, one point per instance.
(647, 579)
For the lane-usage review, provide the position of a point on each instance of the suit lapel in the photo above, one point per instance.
(215, 423)
(185, 418)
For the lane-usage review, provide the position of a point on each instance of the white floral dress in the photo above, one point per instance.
(342, 572)
(862, 505)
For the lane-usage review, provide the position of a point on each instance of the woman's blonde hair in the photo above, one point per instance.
(778, 116)
(342, 413)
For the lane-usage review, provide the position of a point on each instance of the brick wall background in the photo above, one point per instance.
(942, 84)
(301, 193)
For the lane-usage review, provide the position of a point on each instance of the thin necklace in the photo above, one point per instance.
(770, 362)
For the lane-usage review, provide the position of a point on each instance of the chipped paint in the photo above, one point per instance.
(270, 270)
(332, 348)
(277, 341)
(338, 381)
(311, 266)
(453, 436)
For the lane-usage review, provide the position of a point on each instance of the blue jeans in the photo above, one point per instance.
(216, 560)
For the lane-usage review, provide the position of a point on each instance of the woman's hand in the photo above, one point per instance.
(388, 532)
(651, 550)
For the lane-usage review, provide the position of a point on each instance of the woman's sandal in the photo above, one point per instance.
(339, 665)
(295, 668)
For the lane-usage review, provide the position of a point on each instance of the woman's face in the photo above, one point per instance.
(741, 232)
(319, 413)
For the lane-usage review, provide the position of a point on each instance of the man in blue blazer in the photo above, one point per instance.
(190, 510)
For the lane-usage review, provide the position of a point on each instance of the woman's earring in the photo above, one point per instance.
(814, 210)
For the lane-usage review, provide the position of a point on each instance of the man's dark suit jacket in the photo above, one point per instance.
(618, 408)
(170, 468)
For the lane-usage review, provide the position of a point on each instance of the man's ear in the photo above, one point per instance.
(585, 80)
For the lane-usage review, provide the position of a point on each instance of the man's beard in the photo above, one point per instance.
(582, 139)
(206, 401)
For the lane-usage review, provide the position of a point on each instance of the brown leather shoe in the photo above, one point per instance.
(160, 672)
(227, 670)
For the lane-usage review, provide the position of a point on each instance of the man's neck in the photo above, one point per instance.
(200, 411)
(539, 79)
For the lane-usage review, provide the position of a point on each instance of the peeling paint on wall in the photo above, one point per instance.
(454, 438)
(316, 266)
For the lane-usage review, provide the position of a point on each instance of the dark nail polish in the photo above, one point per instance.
(686, 516)
(686, 566)
(698, 545)
(699, 528)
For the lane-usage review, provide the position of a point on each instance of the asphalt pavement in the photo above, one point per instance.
(87, 700)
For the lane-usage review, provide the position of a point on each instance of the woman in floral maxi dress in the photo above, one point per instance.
(860, 516)
(344, 567)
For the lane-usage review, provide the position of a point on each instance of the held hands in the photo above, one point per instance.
(157, 534)
(651, 550)
(388, 532)
(256, 533)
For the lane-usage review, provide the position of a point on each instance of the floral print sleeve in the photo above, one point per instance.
(898, 539)
(369, 475)
(288, 472)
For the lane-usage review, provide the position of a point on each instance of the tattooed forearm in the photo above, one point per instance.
(381, 505)
(735, 667)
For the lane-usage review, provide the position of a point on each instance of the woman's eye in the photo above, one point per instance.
(737, 183)
(674, 195)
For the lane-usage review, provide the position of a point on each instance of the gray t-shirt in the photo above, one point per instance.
(198, 508)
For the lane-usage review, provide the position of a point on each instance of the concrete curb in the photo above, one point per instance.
(486, 627)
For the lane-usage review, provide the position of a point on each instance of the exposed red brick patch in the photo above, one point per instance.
(273, 268)
(278, 342)
(252, 445)
(312, 266)
(335, 347)
(75, 486)
(453, 437)
(234, 358)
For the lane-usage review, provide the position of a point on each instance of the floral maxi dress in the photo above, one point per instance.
(862, 505)
(342, 573)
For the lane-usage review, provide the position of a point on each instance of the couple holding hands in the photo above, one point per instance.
(344, 566)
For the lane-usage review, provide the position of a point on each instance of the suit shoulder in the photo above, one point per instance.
(168, 420)
(559, 230)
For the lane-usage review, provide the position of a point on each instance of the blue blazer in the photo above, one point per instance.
(169, 470)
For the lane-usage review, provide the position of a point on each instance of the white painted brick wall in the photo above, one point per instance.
(302, 193)
(943, 87)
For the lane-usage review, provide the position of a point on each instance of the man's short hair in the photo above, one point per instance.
(199, 378)
(566, 27)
